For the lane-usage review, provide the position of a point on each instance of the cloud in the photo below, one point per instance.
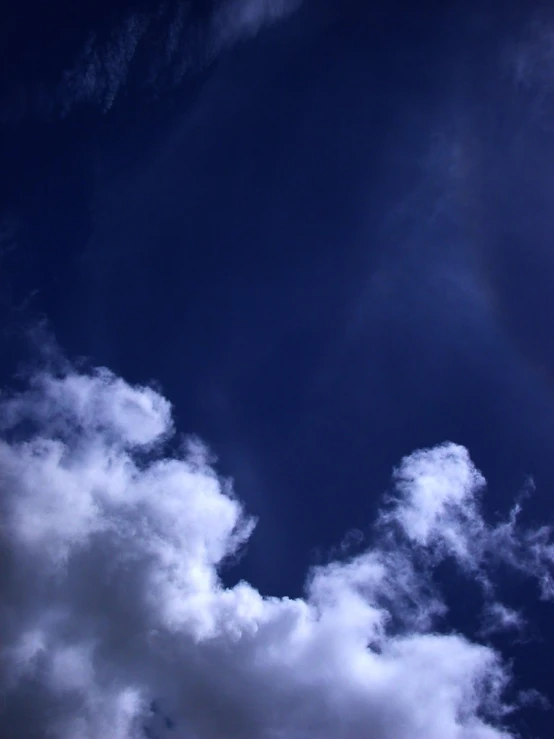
(101, 69)
(236, 19)
(164, 45)
(531, 58)
(435, 507)
(185, 43)
(114, 621)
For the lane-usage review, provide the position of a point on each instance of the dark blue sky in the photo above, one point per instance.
(329, 245)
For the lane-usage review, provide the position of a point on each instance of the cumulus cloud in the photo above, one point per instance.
(114, 620)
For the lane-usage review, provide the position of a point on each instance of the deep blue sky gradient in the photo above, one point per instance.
(272, 242)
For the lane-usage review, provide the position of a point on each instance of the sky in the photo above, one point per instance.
(276, 370)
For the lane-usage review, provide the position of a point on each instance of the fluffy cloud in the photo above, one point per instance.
(114, 621)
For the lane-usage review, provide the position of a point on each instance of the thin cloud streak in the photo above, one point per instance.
(169, 43)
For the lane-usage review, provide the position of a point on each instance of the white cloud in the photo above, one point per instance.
(110, 595)
(436, 508)
(499, 617)
(437, 491)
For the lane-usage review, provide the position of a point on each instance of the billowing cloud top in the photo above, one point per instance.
(114, 622)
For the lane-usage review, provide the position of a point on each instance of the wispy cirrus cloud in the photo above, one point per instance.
(165, 44)
(114, 620)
